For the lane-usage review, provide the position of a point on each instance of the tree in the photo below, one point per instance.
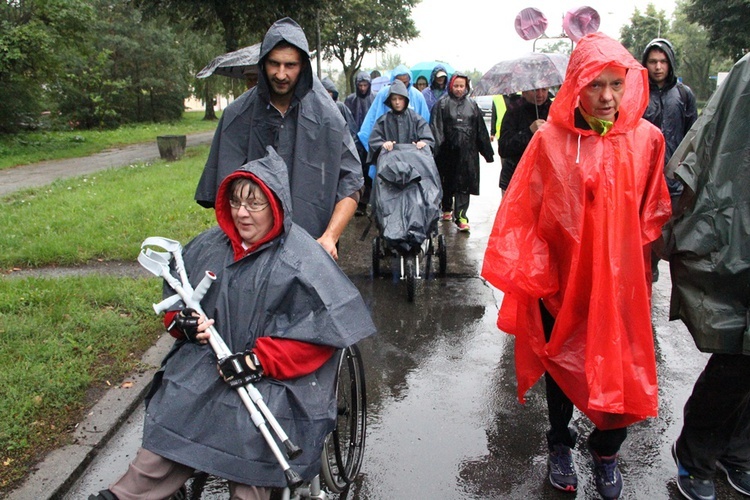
(726, 22)
(696, 61)
(643, 28)
(37, 38)
(358, 27)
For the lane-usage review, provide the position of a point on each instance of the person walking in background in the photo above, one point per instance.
(519, 125)
(709, 260)
(460, 137)
(569, 250)
(421, 83)
(359, 103)
(671, 107)
(345, 113)
(325, 174)
(437, 88)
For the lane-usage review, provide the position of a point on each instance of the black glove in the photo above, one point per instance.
(186, 321)
(241, 369)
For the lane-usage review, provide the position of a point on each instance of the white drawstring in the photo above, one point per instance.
(578, 154)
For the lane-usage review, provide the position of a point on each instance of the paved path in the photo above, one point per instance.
(46, 172)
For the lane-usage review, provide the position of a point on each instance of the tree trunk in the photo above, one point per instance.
(210, 114)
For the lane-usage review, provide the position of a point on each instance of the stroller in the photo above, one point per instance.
(405, 199)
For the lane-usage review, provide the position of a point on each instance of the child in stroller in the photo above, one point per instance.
(406, 189)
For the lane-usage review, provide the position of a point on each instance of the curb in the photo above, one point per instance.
(52, 478)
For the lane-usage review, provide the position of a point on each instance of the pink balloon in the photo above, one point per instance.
(581, 21)
(530, 23)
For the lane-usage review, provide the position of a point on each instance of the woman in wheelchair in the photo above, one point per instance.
(284, 307)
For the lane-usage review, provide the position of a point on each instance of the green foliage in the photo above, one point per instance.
(103, 216)
(643, 28)
(357, 27)
(727, 24)
(61, 339)
(696, 61)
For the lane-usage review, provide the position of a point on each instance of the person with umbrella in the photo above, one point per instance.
(570, 250)
(519, 125)
(461, 136)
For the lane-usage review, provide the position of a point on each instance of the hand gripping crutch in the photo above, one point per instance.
(158, 263)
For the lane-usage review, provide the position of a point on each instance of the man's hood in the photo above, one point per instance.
(330, 87)
(270, 173)
(397, 88)
(591, 56)
(665, 46)
(401, 70)
(286, 30)
(433, 76)
(362, 76)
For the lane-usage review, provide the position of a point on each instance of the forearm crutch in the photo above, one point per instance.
(158, 264)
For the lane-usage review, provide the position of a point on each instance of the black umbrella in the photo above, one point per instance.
(235, 64)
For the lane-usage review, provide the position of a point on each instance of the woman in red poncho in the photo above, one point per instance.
(570, 250)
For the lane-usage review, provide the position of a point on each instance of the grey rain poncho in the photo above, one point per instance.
(288, 288)
(406, 196)
(311, 137)
(707, 241)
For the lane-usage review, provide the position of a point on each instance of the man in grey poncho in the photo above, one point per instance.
(284, 307)
(290, 110)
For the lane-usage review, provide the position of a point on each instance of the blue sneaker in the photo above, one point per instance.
(562, 472)
(739, 479)
(692, 487)
(607, 476)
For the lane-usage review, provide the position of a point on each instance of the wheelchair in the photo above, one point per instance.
(343, 451)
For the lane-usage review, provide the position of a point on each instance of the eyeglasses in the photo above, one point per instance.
(251, 206)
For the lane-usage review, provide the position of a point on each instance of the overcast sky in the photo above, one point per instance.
(476, 34)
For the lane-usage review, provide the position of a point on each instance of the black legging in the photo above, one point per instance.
(560, 408)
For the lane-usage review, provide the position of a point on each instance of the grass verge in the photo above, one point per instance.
(64, 340)
(31, 147)
(103, 216)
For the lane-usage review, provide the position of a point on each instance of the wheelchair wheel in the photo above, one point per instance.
(442, 255)
(345, 446)
(375, 256)
(410, 271)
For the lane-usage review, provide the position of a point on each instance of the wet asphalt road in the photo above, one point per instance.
(443, 418)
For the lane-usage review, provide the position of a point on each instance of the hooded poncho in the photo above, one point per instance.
(311, 137)
(287, 288)
(359, 102)
(574, 229)
(378, 108)
(709, 255)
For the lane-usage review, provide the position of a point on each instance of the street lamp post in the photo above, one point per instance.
(658, 19)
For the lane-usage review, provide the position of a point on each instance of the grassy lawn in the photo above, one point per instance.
(64, 339)
(31, 147)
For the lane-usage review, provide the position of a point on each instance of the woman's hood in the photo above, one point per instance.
(270, 173)
(591, 56)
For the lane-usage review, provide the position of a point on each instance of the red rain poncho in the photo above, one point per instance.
(575, 229)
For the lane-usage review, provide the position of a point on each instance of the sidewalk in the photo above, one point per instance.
(51, 478)
(46, 172)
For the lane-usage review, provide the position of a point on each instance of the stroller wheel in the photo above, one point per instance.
(442, 255)
(410, 271)
(375, 256)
